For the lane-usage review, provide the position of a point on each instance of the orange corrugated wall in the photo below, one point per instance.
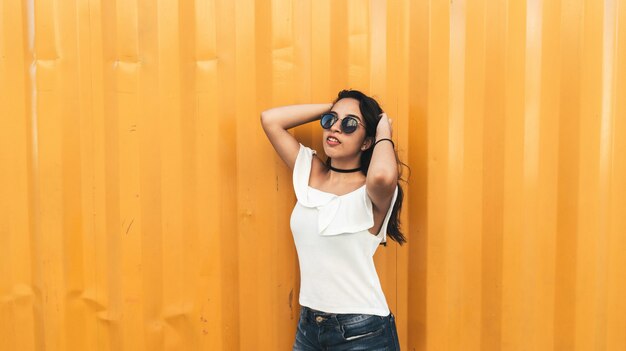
(143, 208)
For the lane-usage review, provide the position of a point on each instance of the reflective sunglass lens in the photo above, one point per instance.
(327, 120)
(349, 125)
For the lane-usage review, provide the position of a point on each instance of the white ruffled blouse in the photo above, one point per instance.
(334, 245)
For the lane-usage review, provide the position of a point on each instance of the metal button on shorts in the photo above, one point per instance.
(319, 318)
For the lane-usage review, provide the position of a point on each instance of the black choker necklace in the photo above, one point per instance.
(345, 170)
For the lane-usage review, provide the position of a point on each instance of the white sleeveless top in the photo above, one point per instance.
(335, 248)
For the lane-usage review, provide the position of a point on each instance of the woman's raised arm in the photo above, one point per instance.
(382, 174)
(277, 120)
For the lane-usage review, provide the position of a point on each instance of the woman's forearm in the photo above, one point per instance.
(290, 116)
(383, 165)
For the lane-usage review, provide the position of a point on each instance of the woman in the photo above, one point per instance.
(346, 207)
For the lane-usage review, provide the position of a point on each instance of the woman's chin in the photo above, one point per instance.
(330, 150)
(335, 153)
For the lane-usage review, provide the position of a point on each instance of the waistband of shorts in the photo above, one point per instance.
(319, 317)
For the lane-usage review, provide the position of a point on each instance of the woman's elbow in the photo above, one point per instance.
(384, 177)
(265, 119)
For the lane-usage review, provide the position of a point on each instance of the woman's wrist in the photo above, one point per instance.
(383, 135)
(386, 140)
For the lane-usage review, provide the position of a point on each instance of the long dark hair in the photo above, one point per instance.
(371, 110)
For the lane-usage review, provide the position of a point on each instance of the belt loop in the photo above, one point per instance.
(302, 312)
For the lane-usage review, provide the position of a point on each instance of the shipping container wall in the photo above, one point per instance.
(143, 208)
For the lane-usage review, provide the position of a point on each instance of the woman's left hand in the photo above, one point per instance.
(383, 129)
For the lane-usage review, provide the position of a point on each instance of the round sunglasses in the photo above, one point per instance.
(348, 124)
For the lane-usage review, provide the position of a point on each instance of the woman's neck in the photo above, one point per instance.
(343, 177)
(345, 164)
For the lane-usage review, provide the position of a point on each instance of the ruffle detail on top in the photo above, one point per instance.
(338, 214)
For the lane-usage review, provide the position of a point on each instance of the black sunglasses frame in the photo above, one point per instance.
(344, 122)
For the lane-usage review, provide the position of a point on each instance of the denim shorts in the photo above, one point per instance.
(319, 330)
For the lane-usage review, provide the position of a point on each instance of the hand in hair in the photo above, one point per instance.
(383, 129)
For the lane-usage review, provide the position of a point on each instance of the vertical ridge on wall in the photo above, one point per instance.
(212, 296)
(473, 164)
(616, 284)
(226, 125)
(419, 160)
(456, 269)
(589, 331)
(18, 296)
(251, 292)
(402, 136)
(150, 194)
(143, 207)
(566, 237)
(514, 278)
(492, 216)
(437, 103)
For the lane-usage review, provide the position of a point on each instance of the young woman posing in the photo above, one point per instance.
(345, 208)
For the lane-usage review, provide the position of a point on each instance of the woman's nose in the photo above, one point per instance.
(336, 127)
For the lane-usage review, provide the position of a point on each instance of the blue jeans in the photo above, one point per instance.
(319, 330)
